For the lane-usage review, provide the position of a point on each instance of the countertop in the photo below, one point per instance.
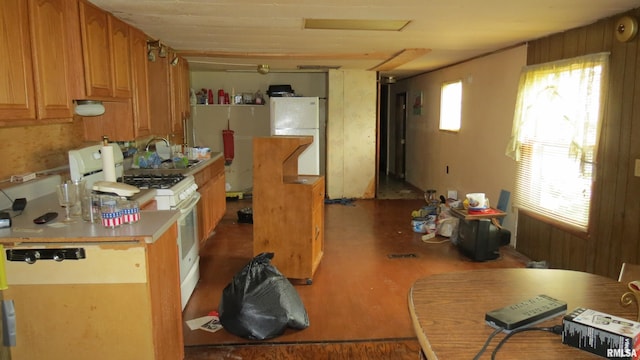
(203, 164)
(187, 171)
(151, 226)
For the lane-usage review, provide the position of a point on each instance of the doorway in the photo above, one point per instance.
(391, 133)
(400, 127)
(391, 157)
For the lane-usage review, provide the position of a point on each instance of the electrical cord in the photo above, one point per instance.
(10, 209)
(486, 343)
(8, 197)
(5, 194)
(556, 329)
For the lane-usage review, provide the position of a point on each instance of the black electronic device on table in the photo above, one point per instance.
(478, 239)
(45, 218)
(525, 313)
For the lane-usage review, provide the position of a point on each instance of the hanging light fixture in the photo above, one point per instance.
(152, 45)
(151, 56)
(263, 69)
(162, 51)
(89, 107)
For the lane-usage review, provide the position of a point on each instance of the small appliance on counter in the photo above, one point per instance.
(86, 164)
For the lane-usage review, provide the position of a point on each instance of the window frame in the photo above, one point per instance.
(579, 146)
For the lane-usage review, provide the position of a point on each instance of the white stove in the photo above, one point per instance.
(172, 197)
(171, 189)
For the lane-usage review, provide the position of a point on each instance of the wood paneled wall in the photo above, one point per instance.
(36, 148)
(615, 215)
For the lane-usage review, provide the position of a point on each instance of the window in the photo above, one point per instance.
(451, 106)
(554, 137)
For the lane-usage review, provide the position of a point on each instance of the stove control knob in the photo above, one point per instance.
(58, 256)
(30, 257)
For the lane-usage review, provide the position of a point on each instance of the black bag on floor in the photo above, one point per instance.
(260, 303)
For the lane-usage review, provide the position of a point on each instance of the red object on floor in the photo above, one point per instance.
(227, 140)
(484, 211)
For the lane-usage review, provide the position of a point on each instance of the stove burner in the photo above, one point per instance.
(152, 181)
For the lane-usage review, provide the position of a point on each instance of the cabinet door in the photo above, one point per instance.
(52, 61)
(205, 208)
(159, 103)
(179, 97)
(115, 123)
(121, 57)
(218, 196)
(17, 98)
(186, 87)
(140, 84)
(95, 50)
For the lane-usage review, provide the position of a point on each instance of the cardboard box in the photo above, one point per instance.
(602, 334)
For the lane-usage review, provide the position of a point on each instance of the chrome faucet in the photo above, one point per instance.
(146, 148)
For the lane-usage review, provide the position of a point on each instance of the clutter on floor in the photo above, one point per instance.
(342, 201)
(245, 215)
(260, 303)
(434, 218)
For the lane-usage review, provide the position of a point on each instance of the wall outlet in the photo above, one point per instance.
(23, 177)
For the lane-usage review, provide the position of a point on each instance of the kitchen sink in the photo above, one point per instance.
(171, 165)
(167, 167)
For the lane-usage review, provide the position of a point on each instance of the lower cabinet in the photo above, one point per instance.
(122, 301)
(212, 205)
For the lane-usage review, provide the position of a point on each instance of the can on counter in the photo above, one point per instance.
(110, 211)
(130, 211)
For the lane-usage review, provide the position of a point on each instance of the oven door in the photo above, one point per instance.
(188, 246)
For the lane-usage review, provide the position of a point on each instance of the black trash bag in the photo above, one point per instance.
(260, 303)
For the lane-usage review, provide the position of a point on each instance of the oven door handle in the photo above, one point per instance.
(190, 203)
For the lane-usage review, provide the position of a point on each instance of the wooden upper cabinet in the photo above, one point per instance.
(180, 106)
(140, 76)
(121, 57)
(159, 101)
(106, 53)
(17, 99)
(43, 39)
(115, 123)
(56, 58)
(96, 51)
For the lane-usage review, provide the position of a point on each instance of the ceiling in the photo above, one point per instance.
(238, 35)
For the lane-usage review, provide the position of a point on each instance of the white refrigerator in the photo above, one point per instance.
(301, 116)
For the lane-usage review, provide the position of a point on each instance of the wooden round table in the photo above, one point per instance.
(448, 310)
